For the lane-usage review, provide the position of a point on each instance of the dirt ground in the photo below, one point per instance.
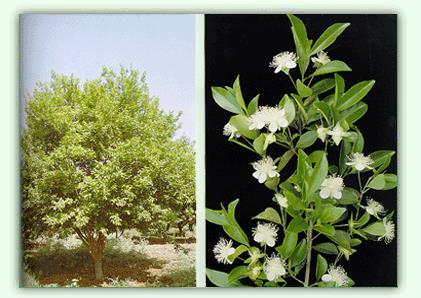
(162, 265)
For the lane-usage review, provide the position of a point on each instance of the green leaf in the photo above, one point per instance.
(328, 37)
(354, 94)
(238, 251)
(323, 86)
(380, 157)
(297, 225)
(269, 214)
(358, 145)
(289, 106)
(375, 229)
(339, 88)
(215, 217)
(233, 229)
(331, 213)
(332, 66)
(355, 242)
(326, 248)
(284, 159)
(226, 100)
(241, 122)
(239, 94)
(293, 201)
(272, 183)
(349, 196)
(307, 139)
(299, 33)
(378, 182)
(321, 267)
(288, 244)
(299, 253)
(303, 90)
(344, 152)
(318, 175)
(384, 182)
(325, 229)
(363, 220)
(237, 273)
(354, 113)
(300, 105)
(220, 279)
(342, 238)
(259, 143)
(253, 105)
(324, 109)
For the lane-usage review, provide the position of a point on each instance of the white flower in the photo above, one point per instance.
(374, 208)
(322, 58)
(284, 61)
(322, 133)
(337, 275)
(359, 161)
(338, 133)
(273, 118)
(264, 168)
(282, 200)
(274, 267)
(231, 131)
(265, 233)
(222, 250)
(332, 186)
(389, 233)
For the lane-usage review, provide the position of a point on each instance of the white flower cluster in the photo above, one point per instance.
(337, 133)
(273, 118)
(336, 274)
(321, 59)
(274, 267)
(332, 187)
(359, 161)
(265, 234)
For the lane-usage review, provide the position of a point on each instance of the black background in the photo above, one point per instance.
(245, 44)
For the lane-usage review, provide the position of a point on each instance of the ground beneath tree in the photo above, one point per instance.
(160, 265)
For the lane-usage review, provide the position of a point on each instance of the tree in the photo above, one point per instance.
(101, 157)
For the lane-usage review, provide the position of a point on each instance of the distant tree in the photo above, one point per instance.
(101, 157)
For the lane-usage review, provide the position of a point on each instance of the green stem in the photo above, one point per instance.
(292, 81)
(309, 247)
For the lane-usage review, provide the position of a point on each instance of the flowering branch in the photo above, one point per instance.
(315, 198)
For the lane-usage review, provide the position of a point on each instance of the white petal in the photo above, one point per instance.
(283, 123)
(324, 193)
(262, 177)
(326, 278)
(278, 69)
(256, 175)
(337, 195)
(270, 242)
(271, 276)
(258, 237)
(359, 167)
(273, 127)
(337, 139)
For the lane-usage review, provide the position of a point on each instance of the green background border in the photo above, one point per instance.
(409, 135)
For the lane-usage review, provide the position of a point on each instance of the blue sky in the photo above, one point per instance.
(161, 45)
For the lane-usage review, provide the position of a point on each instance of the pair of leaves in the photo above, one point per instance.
(227, 220)
(384, 182)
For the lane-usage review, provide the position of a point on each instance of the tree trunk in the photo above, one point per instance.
(96, 249)
(99, 274)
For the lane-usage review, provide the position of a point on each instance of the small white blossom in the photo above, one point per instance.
(359, 161)
(389, 233)
(274, 267)
(222, 250)
(374, 208)
(322, 58)
(231, 131)
(322, 133)
(273, 118)
(264, 168)
(337, 133)
(265, 234)
(332, 187)
(284, 62)
(337, 275)
(282, 200)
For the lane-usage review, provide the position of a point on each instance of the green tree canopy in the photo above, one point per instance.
(101, 156)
